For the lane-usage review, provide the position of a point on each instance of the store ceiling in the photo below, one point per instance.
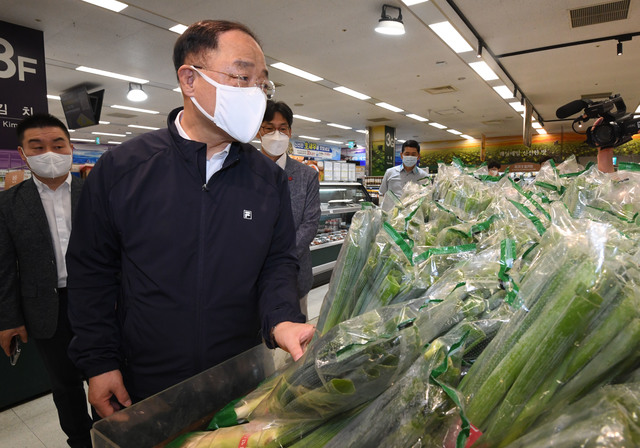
(335, 39)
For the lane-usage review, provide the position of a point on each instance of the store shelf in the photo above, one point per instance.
(325, 245)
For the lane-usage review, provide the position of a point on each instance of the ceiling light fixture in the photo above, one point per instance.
(97, 71)
(114, 143)
(111, 5)
(362, 131)
(353, 93)
(417, 117)
(336, 125)
(437, 125)
(179, 28)
(541, 131)
(453, 131)
(504, 92)
(310, 138)
(143, 127)
(302, 117)
(482, 69)
(336, 142)
(389, 25)
(389, 107)
(104, 122)
(619, 47)
(479, 52)
(109, 134)
(413, 2)
(82, 140)
(136, 94)
(468, 137)
(451, 37)
(296, 71)
(135, 109)
(517, 106)
(53, 97)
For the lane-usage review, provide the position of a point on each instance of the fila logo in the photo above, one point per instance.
(247, 214)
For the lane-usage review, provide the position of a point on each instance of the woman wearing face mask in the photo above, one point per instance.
(274, 134)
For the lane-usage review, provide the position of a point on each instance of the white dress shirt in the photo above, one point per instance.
(214, 164)
(396, 178)
(57, 207)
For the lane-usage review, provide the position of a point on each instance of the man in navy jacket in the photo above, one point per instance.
(183, 251)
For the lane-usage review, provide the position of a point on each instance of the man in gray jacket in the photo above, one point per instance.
(304, 187)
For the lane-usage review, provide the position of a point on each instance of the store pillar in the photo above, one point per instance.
(381, 150)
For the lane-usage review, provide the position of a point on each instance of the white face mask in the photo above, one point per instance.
(239, 110)
(409, 160)
(50, 164)
(275, 144)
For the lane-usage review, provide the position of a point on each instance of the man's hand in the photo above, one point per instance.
(293, 338)
(7, 335)
(107, 393)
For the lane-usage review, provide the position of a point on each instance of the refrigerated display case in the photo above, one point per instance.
(339, 201)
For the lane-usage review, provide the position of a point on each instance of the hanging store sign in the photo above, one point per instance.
(315, 150)
(23, 81)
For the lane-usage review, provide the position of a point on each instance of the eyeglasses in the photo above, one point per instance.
(268, 129)
(267, 86)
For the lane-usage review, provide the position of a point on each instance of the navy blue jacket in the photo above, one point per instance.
(169, 276)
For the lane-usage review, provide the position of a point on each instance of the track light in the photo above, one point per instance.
(619, 48)
(136, 93)
(479, 52)
(389, 25)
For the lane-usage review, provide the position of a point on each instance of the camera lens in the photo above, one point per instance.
(604, 135)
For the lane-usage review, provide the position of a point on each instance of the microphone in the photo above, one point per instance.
(570, 109)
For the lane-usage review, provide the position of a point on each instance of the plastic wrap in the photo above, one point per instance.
(560, 342)
(606, 418)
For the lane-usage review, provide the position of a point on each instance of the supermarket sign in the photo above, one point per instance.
(315, 150)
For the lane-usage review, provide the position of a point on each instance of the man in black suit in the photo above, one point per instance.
(35, 223)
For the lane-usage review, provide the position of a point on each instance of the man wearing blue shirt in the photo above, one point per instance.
(397, 177)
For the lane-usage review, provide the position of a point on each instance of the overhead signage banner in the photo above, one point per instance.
(23, 81)
(315, 150)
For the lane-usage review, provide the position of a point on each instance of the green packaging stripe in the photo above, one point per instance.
(402, 244)
(444, 209)
(507, 255)
(621, 218)
(529, 214)
(482, 226)
(546, 185)
(543, 197)
(463, 435)
(529, 196)
(628, 166)
(487, 177)
(553, 165)
(444, 250)
(413, 213)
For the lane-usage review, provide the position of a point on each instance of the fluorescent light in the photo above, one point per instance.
(111, 5)
(143, 127)
(389, 107)
(296, 71)
(310, 138)
(128, 132)
(335, 141)
(362, 131)
(517, 106)
(82, 140)
(96, 71)
(504, 92)
(104, 122)
(482, 69)
(135, 109)
(541, 131)
(302, 117)
(536, 125)
(638, 110)
(417, 117)
(451, 37)
(468, 137)
(401, 141)
(453, 131)
(71, 130)
(109, 134)
(353, 93)
(437, 125)
(114, 142)
(179, 28)
(336, 125)
(53, 97)
(413, 2)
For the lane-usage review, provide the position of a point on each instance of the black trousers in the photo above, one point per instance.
(66, 381)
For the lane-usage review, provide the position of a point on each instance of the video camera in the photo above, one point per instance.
(616, 127)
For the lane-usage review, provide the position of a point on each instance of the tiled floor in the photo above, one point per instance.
(35, 424)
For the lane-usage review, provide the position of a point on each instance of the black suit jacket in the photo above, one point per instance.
(28, 271)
